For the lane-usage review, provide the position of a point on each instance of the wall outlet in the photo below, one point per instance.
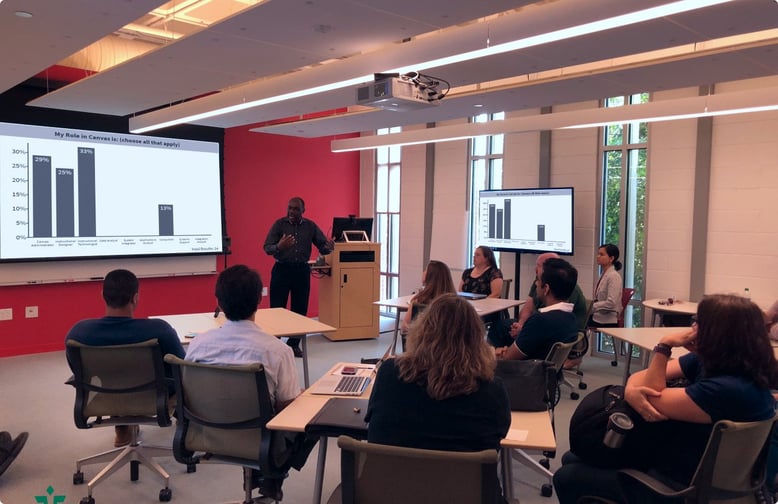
(31, 312)
(264, 291)
(6, 314)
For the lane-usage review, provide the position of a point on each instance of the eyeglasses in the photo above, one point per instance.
(694, 319)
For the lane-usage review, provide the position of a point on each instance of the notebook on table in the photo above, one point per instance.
(471, 295)
(341, 385)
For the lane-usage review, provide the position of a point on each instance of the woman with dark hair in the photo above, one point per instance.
(606, 304)
(729, 371)
(484, 277)
(441, 394)
(436, 280)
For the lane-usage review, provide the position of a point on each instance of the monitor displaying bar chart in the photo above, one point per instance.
(527, 220)
(81, 194)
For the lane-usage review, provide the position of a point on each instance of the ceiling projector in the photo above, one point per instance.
(402, 93)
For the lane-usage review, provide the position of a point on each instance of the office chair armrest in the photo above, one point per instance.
(628, 477)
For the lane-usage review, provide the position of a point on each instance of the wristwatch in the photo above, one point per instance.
(663, 349)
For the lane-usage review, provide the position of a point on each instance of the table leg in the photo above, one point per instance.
(306, 379)
(506, 468)
(628, 363)
(319, 482)
(396, 333)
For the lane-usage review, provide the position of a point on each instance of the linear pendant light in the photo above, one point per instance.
(164, 118)
(738, 102)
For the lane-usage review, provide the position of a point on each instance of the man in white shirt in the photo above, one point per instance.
(240, 341)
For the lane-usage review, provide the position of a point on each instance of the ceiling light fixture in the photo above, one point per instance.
(149, 122)
(739, 102)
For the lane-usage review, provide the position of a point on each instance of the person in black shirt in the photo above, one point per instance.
(289, 241)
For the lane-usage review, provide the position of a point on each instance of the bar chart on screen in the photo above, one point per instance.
(74, 193)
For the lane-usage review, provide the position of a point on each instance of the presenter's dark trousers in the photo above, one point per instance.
(291, 279)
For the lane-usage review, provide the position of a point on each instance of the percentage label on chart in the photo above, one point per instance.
(19, 180)
(22, 223)
(19, 151)
(19, 194)
(19, 209)
(20, 166)
(21, 237)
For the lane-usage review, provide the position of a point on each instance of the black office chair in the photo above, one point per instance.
(120, 385)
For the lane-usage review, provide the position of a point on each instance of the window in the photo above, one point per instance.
(486, 159)
(387, 215)
(624, 168)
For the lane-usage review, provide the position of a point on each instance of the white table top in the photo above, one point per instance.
(529, 430)
(680, 307)
(485, 306)
(644, 337)
(276, 321)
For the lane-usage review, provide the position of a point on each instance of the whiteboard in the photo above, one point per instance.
(95, 269)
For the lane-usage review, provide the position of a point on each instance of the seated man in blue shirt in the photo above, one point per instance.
(118, 327)
(553, 323)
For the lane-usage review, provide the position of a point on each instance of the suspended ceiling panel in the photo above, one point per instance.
(57, 29)
(272, 38)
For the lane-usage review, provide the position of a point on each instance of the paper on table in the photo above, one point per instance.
(517, 434)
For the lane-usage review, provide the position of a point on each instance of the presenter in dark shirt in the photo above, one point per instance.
(290, 241)
(118, 327)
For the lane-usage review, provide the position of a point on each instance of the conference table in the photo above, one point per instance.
(483, 307)
(279, 322)
(528, 431)
(643, 337)
(660, 307)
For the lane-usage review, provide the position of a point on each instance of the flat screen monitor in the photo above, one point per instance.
(351, 223)
(531, 220)
(76, 194)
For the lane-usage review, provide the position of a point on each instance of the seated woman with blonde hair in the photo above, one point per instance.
(436, 280)
(441, 394)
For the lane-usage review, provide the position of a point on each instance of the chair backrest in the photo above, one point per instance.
(506, 288)
(560, 351)
(626, 296)
(118, 384)
(734, 461)
(222, 412)
(731, 470)
(380, 474)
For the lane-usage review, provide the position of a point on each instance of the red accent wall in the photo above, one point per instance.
(264, 172)
(261, 173)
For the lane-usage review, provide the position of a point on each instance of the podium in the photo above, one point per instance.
(346, 296)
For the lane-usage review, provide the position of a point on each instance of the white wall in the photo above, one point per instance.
(742, 224)
(671, 158)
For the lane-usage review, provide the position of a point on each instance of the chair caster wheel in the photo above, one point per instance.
(614, 363)
(574, 396)
(545, 463)
(546, 490)
(190, 468)
(78, 478)
(134, 469)
(582, 386)
(165, 495)
(87, 500)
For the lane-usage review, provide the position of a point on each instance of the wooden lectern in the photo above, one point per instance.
(346, 296)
